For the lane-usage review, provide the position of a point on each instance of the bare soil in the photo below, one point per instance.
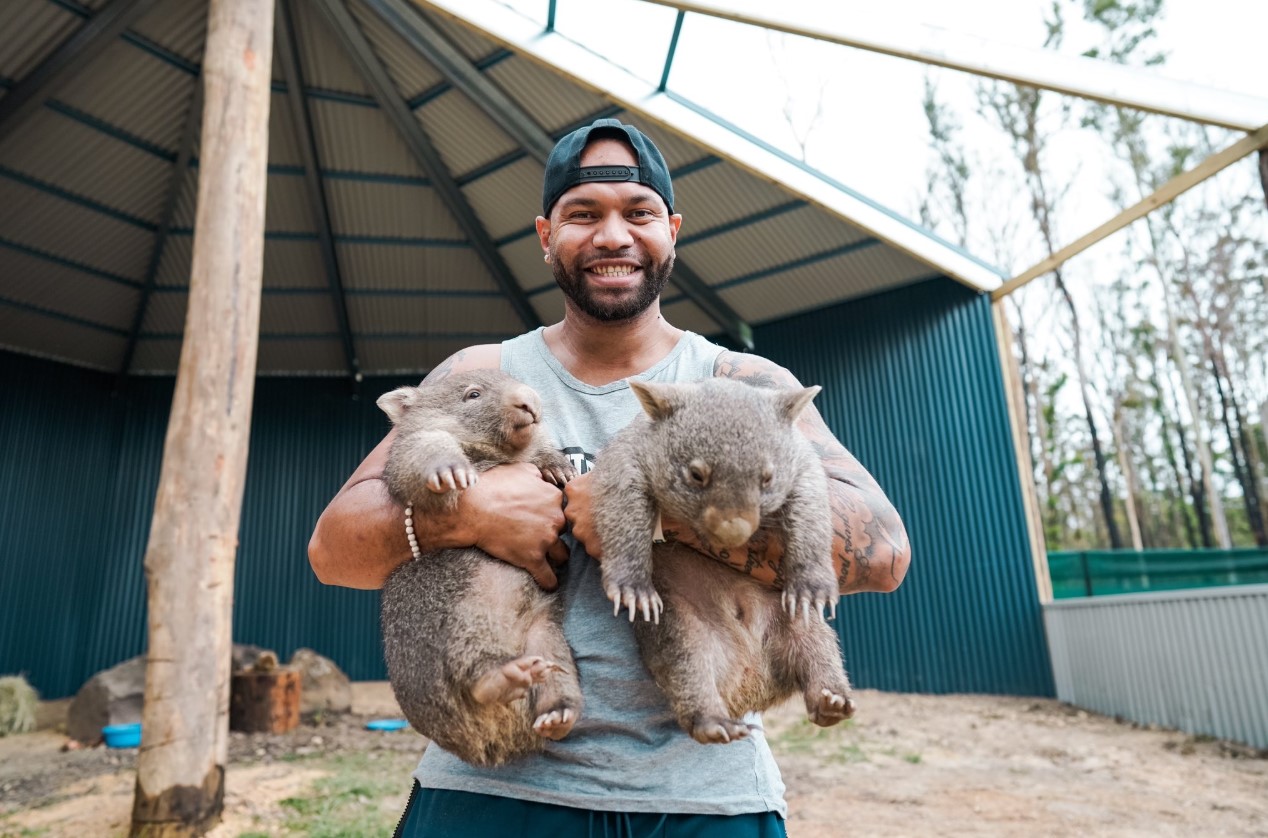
(907, 765)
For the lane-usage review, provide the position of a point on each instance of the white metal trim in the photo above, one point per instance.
(583, 67)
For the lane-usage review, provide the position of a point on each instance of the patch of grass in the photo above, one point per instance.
(349, 803)
(829, 743)
(914, 759)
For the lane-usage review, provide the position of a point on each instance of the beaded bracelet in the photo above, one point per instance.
(409, 532)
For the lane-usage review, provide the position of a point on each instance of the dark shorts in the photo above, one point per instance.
(436, 813)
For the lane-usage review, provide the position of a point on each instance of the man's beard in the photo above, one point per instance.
(596, 305)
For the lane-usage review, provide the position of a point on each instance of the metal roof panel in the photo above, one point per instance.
(388, 356)
(550, 101)
(177, 25)
(362, 208)
(409, 71)
(462, 133)
(419, 315)
(60, 289)
(358, 139)
(35, 334)
(322, 60)
(379, 267)
(508, 199)
(33, 30)
(279, 356)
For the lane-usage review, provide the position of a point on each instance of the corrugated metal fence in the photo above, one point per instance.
(1195, 660)
(913, 388)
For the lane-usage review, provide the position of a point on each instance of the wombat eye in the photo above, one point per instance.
(473, 393)
(698, 473)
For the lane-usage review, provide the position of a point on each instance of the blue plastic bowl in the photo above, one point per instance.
(122, 736)
(387, 724)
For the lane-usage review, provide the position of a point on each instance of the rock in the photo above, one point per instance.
(111, 697)
(245, 656)
(324, 687)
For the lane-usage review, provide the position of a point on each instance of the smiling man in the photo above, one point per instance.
(608, 231)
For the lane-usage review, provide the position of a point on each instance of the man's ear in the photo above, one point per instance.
(395, 403)
(543, 233)
(675, 224)
(658, 400)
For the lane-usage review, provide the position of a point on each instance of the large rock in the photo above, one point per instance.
(114, 696)
(111, 697)
(324, 687)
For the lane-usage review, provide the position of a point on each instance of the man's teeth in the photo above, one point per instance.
(613, 270)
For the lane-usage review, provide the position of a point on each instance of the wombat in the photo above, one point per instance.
(475, 649)
(725, 458)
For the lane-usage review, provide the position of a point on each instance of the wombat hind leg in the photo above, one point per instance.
(512, 680)
(555, 724)
(828, 707)
(717, 730)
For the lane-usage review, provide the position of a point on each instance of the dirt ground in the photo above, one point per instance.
(907, 765)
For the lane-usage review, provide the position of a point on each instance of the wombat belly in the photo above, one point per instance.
(447, 618)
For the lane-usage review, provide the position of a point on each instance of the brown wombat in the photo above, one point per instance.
(475, 650)
(725, 458)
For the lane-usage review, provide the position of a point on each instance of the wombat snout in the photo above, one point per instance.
(730, 527)
(526, 400)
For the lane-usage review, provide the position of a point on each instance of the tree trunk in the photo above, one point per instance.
(1164, 408)
(1239, 454)
(1129, 477)
(194, 533)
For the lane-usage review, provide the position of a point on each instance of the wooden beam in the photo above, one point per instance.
(1166, 193)
(79, 50)
(302, 122)
(194, 533)
(458, 70)
(429, 160)
(1089, 78)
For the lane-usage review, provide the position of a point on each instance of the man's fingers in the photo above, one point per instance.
(558, 553)
(543, 575)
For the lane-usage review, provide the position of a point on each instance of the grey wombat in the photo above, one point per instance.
(475, 651)
(726, 458)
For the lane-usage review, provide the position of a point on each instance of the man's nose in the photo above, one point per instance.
(613, 232)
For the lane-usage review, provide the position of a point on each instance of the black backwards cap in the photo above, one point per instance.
(564, 169)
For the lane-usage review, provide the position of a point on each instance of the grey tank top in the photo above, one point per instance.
(626, 752)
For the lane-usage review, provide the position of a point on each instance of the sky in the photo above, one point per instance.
(871, 133)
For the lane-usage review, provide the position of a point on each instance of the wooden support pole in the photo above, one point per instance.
(194, 533)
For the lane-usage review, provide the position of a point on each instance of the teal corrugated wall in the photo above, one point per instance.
(912, 386)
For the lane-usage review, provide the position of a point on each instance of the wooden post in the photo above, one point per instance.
(194, 533)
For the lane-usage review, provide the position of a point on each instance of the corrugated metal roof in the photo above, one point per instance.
(60, 289)
(59, 339)
(300, 357)
(414, 356)
(84, 179)
(155, 356)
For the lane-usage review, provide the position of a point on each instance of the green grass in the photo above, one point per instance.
(349, 803)
(830, 743)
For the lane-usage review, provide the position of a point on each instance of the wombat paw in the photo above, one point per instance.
(511, 681)
(636, 598)
(451, 477)
(718, 730)
(559, 475)
(807, 600)
(556, 724)
(828, 707)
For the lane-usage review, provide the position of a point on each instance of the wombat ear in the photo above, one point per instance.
(395, 403)
(657, 399)
(792, 402)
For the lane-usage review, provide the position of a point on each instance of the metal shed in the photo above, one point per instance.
(406, 148)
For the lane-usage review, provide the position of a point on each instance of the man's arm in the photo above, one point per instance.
(511, 513)
(869, 547)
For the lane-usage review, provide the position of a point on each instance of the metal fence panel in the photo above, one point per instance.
(1196, 660)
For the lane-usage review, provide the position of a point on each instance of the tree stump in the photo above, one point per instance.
(264, 702)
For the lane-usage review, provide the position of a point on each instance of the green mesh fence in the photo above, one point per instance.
(1102, 572)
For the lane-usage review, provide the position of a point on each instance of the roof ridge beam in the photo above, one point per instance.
(75, 53)
(408, 22)
(302, 123)
(429, 159)
(1088, 78)
(638, 96)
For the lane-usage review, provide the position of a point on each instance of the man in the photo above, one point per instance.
(608, 231)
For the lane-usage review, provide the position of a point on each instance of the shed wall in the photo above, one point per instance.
(912, 386)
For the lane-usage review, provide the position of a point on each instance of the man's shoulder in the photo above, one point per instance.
(485, 356)
(752, 369)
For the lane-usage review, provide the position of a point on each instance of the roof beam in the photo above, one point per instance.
(675, 115)
(301, 119)
(70, 58)
(425, 153)
(179, 167)
(406, 20)
(1166, 193)
(1088, 78)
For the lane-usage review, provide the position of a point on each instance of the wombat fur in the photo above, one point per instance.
(726, 458)
(475, 650)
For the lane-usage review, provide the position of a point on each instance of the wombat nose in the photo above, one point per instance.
(730, 529)
(527, 400)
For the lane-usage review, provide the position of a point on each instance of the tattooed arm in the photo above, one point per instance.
(869, 548)
(512, 514)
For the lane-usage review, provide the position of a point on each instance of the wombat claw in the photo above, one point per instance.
(792, 603)
(556, 724)
(558, 476)
(650, 604)
(831, 708)
(511, 680)
(717, 730)
(452, 479)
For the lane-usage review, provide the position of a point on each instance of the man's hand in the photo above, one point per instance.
(514, 515)
(580, 514)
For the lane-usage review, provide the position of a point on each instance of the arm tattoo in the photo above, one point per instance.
(445, 368)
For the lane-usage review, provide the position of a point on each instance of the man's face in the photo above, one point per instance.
(611, 245)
